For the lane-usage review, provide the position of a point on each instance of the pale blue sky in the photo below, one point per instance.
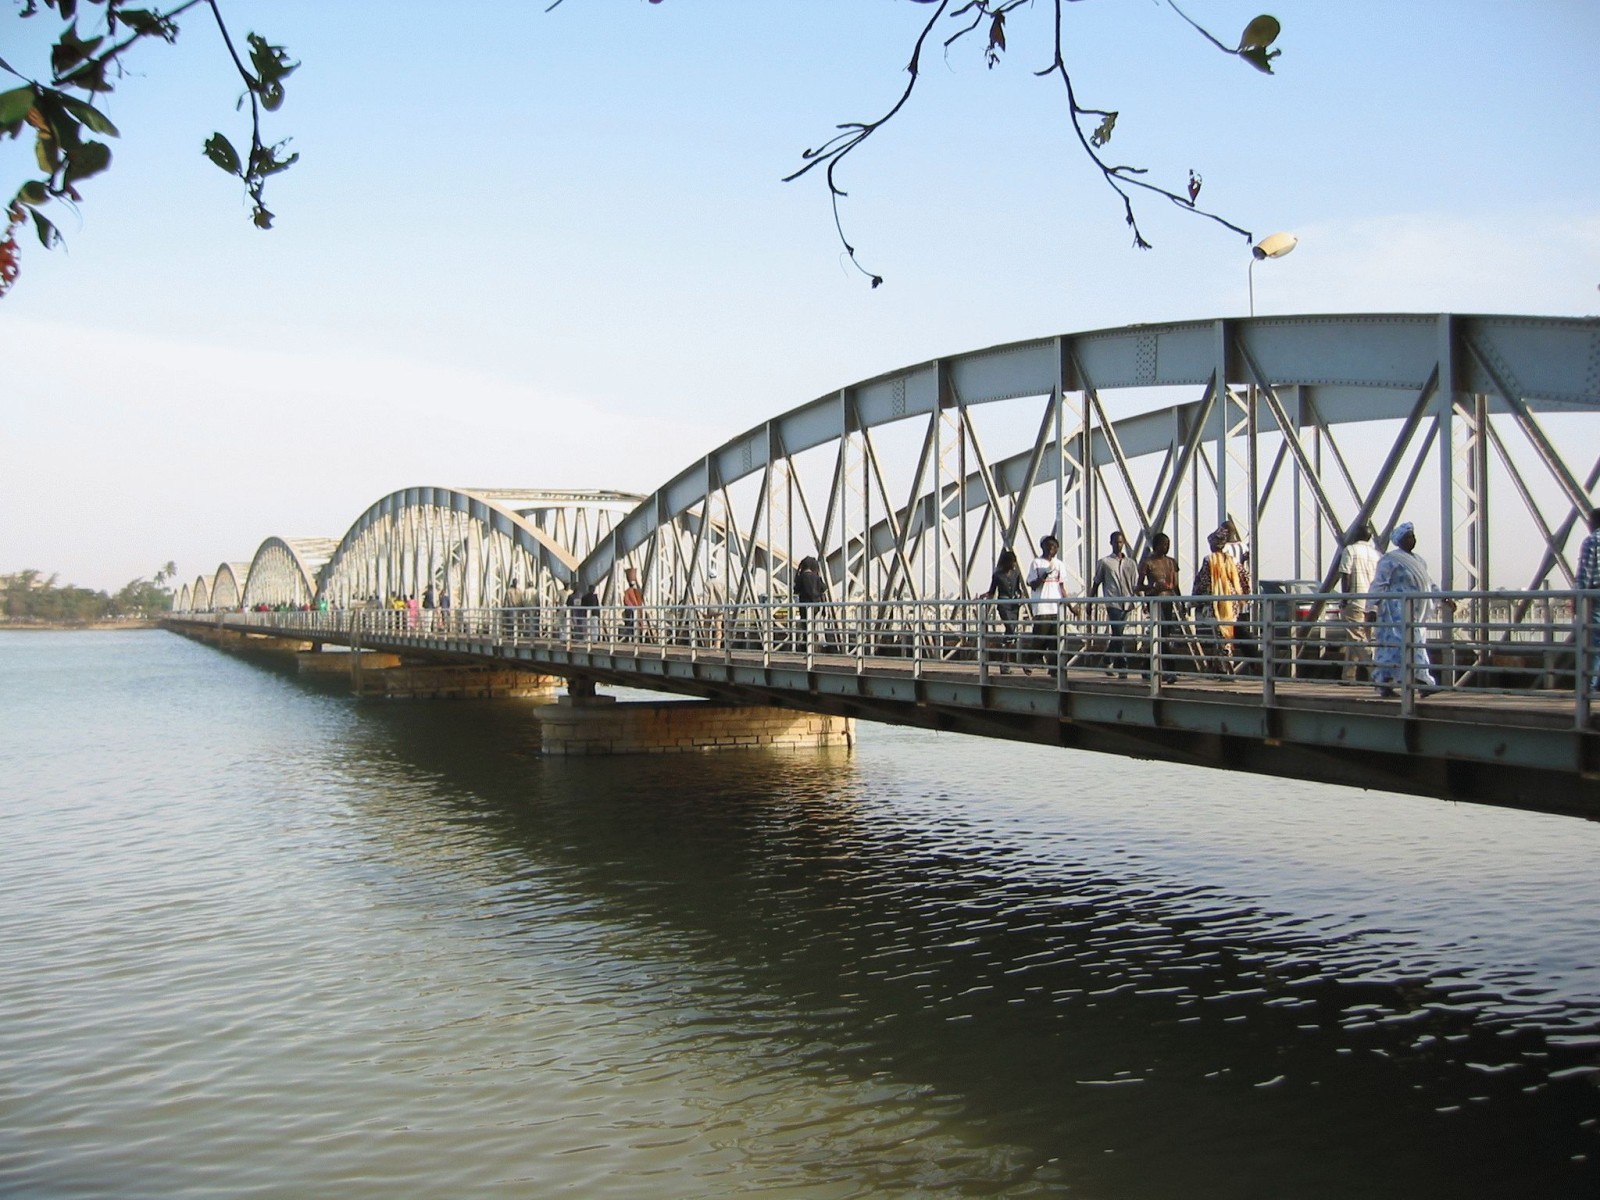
(552, 249)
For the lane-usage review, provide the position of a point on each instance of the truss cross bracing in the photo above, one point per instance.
(1484, 431)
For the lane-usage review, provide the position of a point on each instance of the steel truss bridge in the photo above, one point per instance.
(1482, 430)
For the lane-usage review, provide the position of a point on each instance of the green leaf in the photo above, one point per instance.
(92, 117)
(1102, 135)
(87, 160)
(64, 128)
(14, 106)
(49, 236)
(91, 77)
(1260, 33)
(270, 62)
(265, 161)
(70, 50)
(220, 151)
(148, 24)
(33, 193)
(46, 151)
(1260, 57)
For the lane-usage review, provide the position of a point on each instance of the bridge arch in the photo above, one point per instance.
(284, 571)
(200, 594)
(474, 548)
(892, 484)
(227, 586)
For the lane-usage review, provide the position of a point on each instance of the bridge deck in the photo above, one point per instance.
(1521, 748)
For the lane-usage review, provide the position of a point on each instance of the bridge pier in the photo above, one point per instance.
(348, 662)
(260, 643)
(582, 726)
(267, 644)
(445, 681)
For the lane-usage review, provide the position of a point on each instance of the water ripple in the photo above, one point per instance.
(259, 940)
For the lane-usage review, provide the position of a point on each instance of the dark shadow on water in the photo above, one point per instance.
(1131, 1041)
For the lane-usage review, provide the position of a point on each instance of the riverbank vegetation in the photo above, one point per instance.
(30, 597)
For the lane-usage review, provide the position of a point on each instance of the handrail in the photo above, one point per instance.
(1163, 644)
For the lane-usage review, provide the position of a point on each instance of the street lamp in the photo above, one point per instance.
(1274, 245)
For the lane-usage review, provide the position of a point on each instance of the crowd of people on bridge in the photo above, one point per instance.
(1380, 631)
(1134, 616)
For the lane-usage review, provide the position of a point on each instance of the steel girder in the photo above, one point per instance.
(200, 594)
(474, 548)
(284, 571)
(227, 585)
(1259, 440)
(907, 484)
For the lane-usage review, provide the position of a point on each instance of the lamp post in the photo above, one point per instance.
(1274, 245)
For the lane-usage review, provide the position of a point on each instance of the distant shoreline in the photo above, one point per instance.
(76, 626)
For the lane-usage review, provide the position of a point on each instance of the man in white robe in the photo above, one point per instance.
(1402, 573)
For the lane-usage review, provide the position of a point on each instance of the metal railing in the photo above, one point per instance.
(1410, 648)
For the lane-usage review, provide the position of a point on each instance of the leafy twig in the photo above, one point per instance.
(60, 120)
(265, 90)
(975, 14)
(835, 149)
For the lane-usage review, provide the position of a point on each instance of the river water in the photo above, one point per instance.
(259, 939)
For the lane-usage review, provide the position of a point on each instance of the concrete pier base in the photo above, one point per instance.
(449, 682)
(584, 727)
(256, 643)
(344, 662)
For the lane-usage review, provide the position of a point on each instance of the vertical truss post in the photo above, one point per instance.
(1468, 491)
(941, 473)
(951, 472)
(1233, 413)
(1444, 403)
(853, 584)
(1073, 463)
(768, 500)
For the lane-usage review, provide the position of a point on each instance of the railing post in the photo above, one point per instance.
(1058, 651)
(919, 638)
(1583, 658)
(1408, 654)
(976, 613)
(1158, 644)
(813, 615)
(862, 623)
(1269, 641)
(1547, 659)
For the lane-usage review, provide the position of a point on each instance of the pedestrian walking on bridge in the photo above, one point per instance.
(1006, 590)
(1358, 565)
(1046, 582)
(1116, 577)
(1401, 580)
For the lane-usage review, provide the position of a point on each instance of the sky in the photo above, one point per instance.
(530, 248)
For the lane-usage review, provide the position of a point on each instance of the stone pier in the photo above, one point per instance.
(448, 681)
(256, 643)
(344, 662)
(584, 726)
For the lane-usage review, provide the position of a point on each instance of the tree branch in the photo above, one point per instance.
(1119, 175)
(1120, 178)
(838, 147)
